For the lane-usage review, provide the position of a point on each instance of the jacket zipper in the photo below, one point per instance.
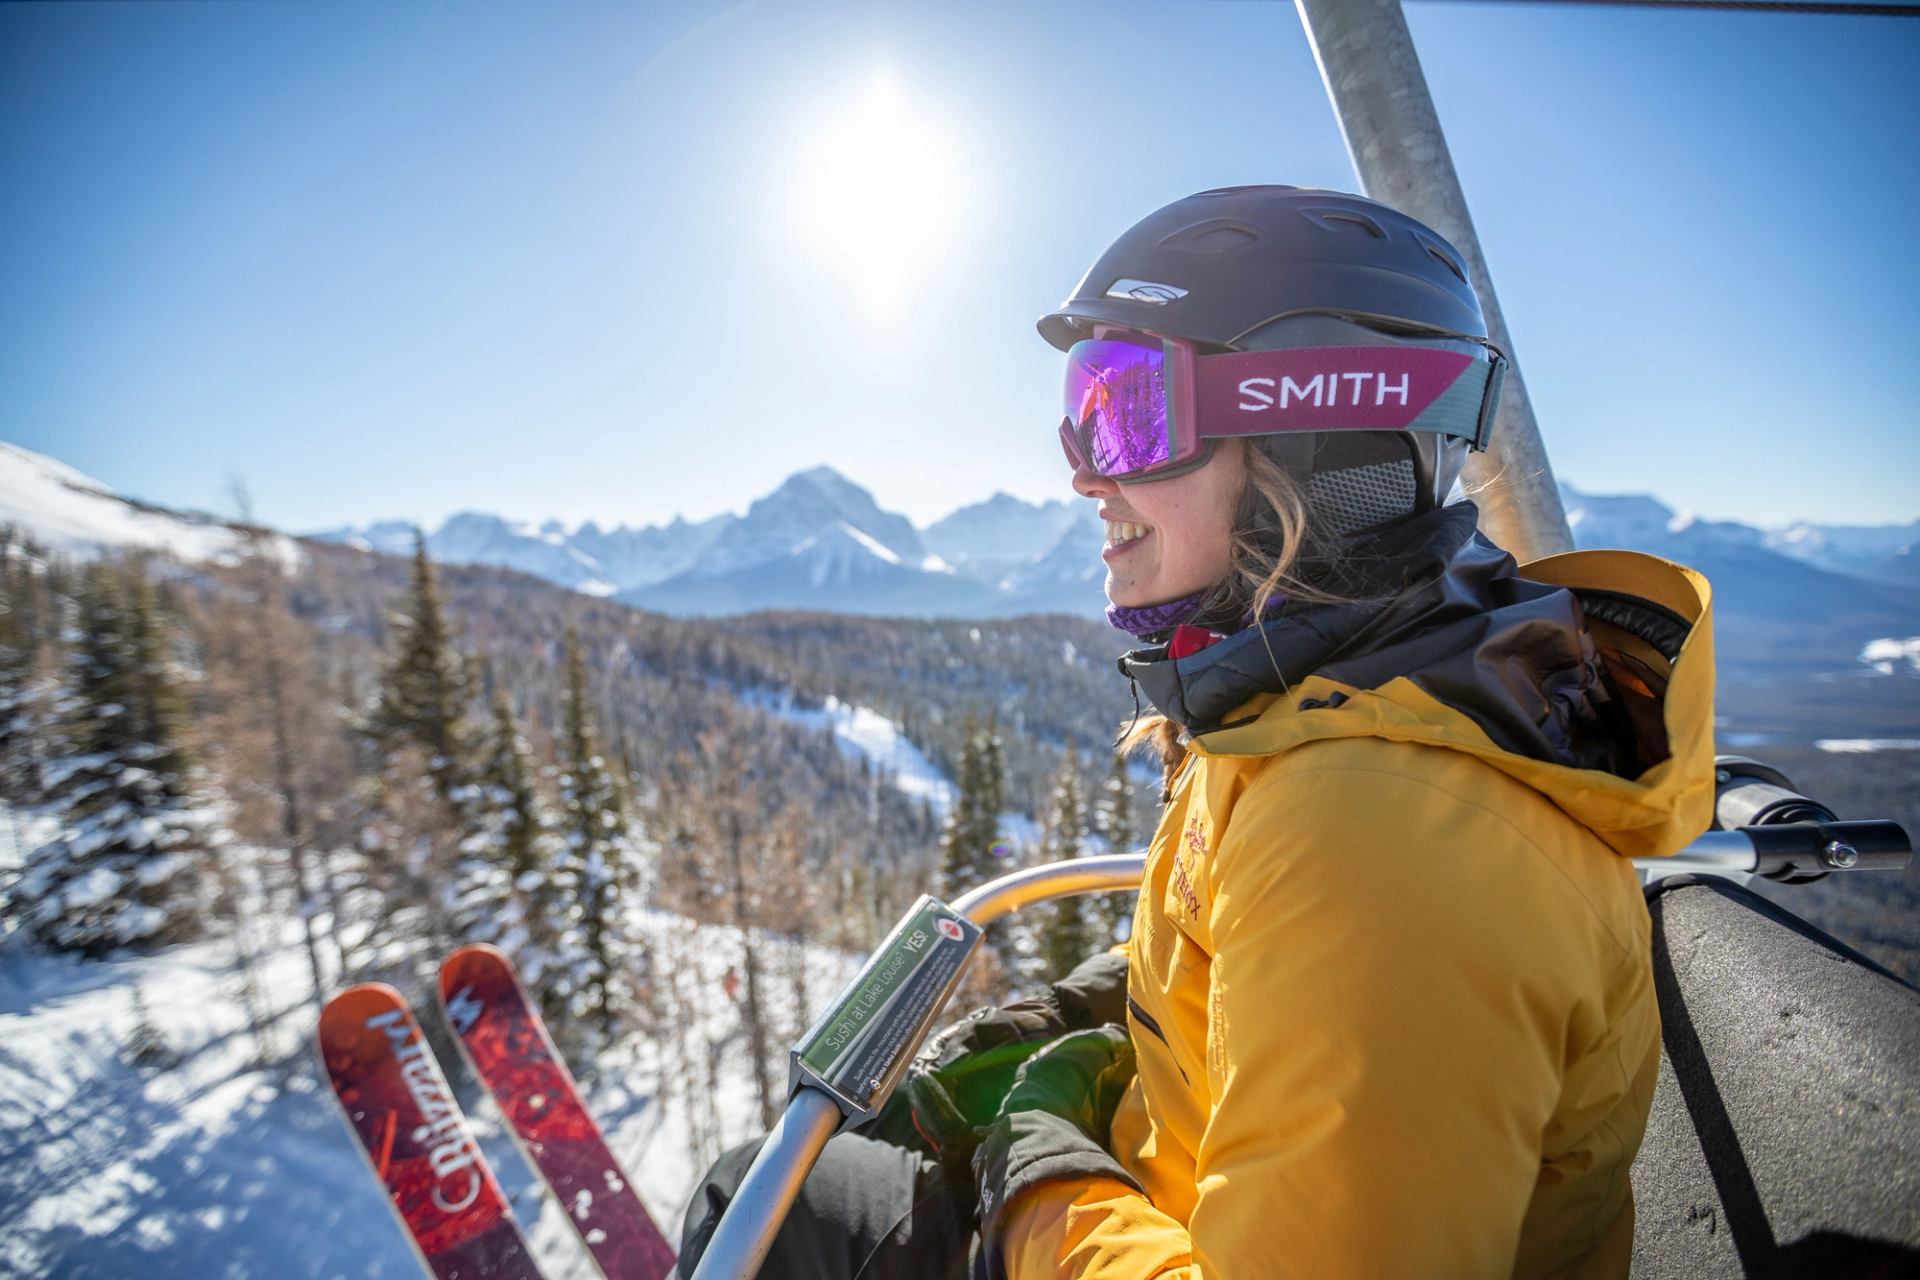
(1145, 1019)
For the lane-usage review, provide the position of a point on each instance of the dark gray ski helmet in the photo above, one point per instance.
(1266, 267)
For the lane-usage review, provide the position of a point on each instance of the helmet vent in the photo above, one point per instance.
(1446, 260)
(1217, 236)
(1345, 220)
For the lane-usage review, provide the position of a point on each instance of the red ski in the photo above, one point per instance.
(510, 1050)
(398, 1105)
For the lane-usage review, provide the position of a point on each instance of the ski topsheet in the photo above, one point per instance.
(398, 1105)
(511, 1052)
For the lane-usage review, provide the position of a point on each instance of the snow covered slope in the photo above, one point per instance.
(1884, 553)
(216, 1151)
(865, 733)
(69, 512)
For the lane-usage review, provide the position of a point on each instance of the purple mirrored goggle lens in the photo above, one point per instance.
(1116, 407)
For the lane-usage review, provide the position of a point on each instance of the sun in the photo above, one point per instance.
(880, 189)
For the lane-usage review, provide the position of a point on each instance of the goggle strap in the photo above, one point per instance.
(1257, 393)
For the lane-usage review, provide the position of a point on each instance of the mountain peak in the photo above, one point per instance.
(806, 503)
(830, 484)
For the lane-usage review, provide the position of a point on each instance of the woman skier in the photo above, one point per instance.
(1388, 1008)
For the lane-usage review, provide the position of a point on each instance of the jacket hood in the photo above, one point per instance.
(1589, 679)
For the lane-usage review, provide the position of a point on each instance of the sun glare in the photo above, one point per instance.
(880, 190)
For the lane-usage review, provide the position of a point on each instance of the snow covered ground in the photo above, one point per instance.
(1891, 653)
(864, 732)
(68, 511)
(210, 1153)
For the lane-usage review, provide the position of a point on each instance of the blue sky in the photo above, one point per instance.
(622, 261)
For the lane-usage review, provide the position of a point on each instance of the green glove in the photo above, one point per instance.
(1078, 1077)
(954, 1089)
(1055, 1125)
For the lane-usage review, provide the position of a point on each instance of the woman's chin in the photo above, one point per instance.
(1133, 591)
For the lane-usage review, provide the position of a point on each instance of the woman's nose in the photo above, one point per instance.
(1089, 483)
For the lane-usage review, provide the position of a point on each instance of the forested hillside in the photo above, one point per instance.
(425, 749)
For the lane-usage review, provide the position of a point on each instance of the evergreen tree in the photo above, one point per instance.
(1068, 936)
(993, 777)
(421, 767)
(605, 979)
(29, 625)
(510, 886)
(126, 865)
(1112, 825)
(971, 848)
(957, 839)
(424, 690)
(971, 842)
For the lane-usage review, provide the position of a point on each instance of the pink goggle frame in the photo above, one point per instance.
(1141, 406)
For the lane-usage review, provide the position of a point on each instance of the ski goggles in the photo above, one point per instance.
(1143, 407)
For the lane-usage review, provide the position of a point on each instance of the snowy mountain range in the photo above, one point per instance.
(1887, 553)
(1801, 594)
(819, 541)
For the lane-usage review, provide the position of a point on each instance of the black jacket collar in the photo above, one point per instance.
(1444, 607)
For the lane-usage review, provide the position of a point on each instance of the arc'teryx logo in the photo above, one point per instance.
(1196, 840)
(1323, 390)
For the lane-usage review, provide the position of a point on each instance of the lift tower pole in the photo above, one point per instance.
(1380, 97)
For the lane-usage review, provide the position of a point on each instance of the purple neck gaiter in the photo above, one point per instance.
(1143, 622)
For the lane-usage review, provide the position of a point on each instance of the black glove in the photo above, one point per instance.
(954, 1088)
(1055, 1124)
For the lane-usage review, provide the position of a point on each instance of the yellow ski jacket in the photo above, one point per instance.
(1390, 986)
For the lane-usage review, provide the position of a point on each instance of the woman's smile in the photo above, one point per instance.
(1168, 538)
(1122, 537)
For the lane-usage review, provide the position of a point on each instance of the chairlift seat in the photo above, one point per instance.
(1784, 1138)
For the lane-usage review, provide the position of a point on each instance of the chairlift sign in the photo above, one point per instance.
(860, 1047)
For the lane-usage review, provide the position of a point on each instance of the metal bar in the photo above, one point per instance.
(1714, 853)
(753, 1217)
(1379, 93)
(1824, 7)
(1017, 889)
(1717, 853)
